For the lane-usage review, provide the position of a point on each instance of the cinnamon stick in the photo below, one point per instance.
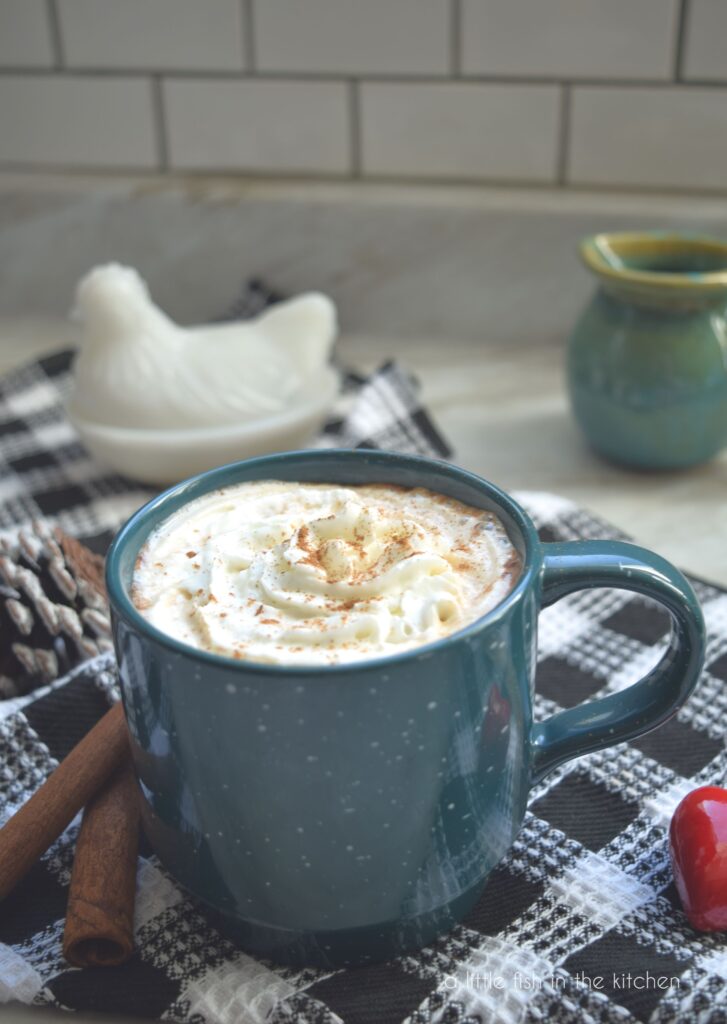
(41, 820)
(100, 916)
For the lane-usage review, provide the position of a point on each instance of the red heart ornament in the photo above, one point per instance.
(698, 846)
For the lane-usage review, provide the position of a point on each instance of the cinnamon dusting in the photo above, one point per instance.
(340, 580)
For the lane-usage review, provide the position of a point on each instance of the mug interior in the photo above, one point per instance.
(328, 466)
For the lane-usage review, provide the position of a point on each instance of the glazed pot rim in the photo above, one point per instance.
(146, 518)
(600, 252)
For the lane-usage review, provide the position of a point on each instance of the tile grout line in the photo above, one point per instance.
(354, 126)
(56, 36)
(159, 121)
(680, 40)
(564, 135)
(248, 30)
(455, 40)
(719, 85)
(630, 190)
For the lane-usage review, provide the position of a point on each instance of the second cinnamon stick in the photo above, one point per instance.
(100, 915)
(40, 821)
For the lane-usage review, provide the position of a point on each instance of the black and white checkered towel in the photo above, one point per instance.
(579, 923)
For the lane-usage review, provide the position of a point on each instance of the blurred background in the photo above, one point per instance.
(616, 93)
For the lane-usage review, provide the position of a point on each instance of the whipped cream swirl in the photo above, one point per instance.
(294, 573)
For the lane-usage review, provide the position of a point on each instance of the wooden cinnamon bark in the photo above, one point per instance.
(77, 778)
(100, 914)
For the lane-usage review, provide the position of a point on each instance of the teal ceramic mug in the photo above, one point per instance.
(340, 814)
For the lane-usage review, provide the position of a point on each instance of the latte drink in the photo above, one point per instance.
(301, 574)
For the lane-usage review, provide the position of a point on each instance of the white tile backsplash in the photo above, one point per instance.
(353, 37)
(621, 93)
(460, 130)
(283, 127)
(649, 137)
(705, 47)
(25, 39)
(198, 35)
(71, 121)
(569, 38)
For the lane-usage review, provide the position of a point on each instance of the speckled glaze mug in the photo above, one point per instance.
(342, 814)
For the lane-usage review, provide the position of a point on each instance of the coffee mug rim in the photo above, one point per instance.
(123, 606)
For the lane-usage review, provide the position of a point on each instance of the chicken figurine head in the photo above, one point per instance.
(136, 368)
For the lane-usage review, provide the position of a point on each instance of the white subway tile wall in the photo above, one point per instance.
(73, 121)
(705, 50)
(354, 37)
(288, 127)
(460, 130)
(25, 35)
(569, 38)
(155, 35)
(617, 93)
(646, 136)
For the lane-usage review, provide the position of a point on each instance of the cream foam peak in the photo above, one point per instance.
(315, 573)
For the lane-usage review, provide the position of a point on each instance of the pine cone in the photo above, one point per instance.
(53, 610)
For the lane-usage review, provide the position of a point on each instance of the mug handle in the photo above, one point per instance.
(581, 565)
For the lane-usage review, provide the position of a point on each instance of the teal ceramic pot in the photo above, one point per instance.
(340, 814)
(647, 361)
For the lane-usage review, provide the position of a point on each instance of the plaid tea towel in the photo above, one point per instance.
(580, 922)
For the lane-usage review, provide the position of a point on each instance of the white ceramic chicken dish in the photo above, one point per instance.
(137, 367)
(159, 401)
